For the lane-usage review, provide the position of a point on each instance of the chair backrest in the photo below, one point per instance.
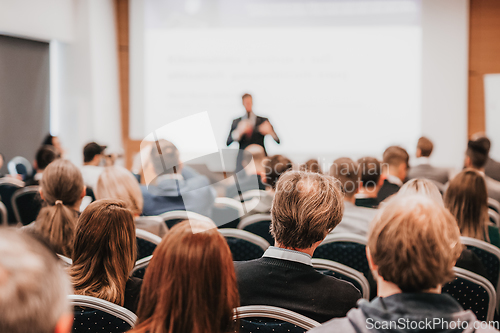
(494, 217)
(65, 260)
(173, 217)
(259, 225)
(20, 166)
(249, 195)
(226, 212)
(473, 292)
(26, 203)
(4, 220)
(146, 243)
(345, 273)
(489, 256)
(93, 314)
(263, 319)
(7, 188)
(244, 245)
(140, 267)
(152, 224)
(493, 204)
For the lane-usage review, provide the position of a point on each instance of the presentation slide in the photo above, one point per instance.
(334, 78)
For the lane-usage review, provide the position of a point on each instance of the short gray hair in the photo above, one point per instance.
(33, 285)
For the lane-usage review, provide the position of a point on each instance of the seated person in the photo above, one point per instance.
(190, 284)
(394, 170)
(412, 247)
(423, 168)
(311, 165)
(370, 182)
(104, 253)
(91, 169)
(252, 177)
(306, 207)
(44, 156)
(355, 219)
(116, 182)
(34, 288)
(174, 186)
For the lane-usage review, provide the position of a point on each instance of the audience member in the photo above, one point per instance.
(467, 199)
(476, 156)
(62, 190)
(492, 167)
(251, 177)
(55, 142)
(311, 165)
(190, 284)
(395, 167)
(104, 253)
(355, 219)
(44, 156)
(92, 169)
(306, 207)
(33, 287)
(116, 182)
(174, 186)
(423, 168)
(370, 182)
(413, 244)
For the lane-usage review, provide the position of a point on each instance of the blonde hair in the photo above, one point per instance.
(424, 187)
(415, 243)
(104, 251)
(61, 187)
(116, 182)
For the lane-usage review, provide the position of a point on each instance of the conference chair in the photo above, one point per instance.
(20, 166)
(473, 292)
(271, 319)
(226, 212)
(26, 203)
(173, 217)
(259, 225)
(152, 224)
(3, 215)
(8, 186)
(146, 243)
(65, 260)
(490, 258)
(97, 315)
(494, 217)
(244, 245)
(140, 267)
(349, 250)
(343, 272)
(493, 204)
(249, 195)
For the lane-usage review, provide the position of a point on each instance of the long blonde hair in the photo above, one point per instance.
(61, 188)
(104, 251)
(116, 182)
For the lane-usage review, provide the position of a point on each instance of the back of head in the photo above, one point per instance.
(104, 250)
(478, 151)
(116, 182)
(347, 172)
(371, 170)
(164, 157)
(311, 165)
(467, 199)
(415, 243)
(45, 155)
(423, 187)
(47, 140)
(276, 165)
(92, 150)
(306, 207)
(190, 284)
(33, 286)
(61, 188)
(425, 146)
(395, 156)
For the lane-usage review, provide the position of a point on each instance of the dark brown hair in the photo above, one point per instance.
(104, 250)
(478, 151)
(311, 165)
(425, 145)
(395, 155)
(347, 172)
(190, 284)
(467, 199)
(306, 207)
(371, 170)
(275, 166)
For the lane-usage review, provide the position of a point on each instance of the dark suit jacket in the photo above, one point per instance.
(255, 138)
(427, 171)
(294, 286)
(492, 169)
(387, 190)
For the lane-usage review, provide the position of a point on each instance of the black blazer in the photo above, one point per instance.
(256, 138)
(294, 286)
(387, 190)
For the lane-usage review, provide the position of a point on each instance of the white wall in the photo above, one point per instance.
(445, 35)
